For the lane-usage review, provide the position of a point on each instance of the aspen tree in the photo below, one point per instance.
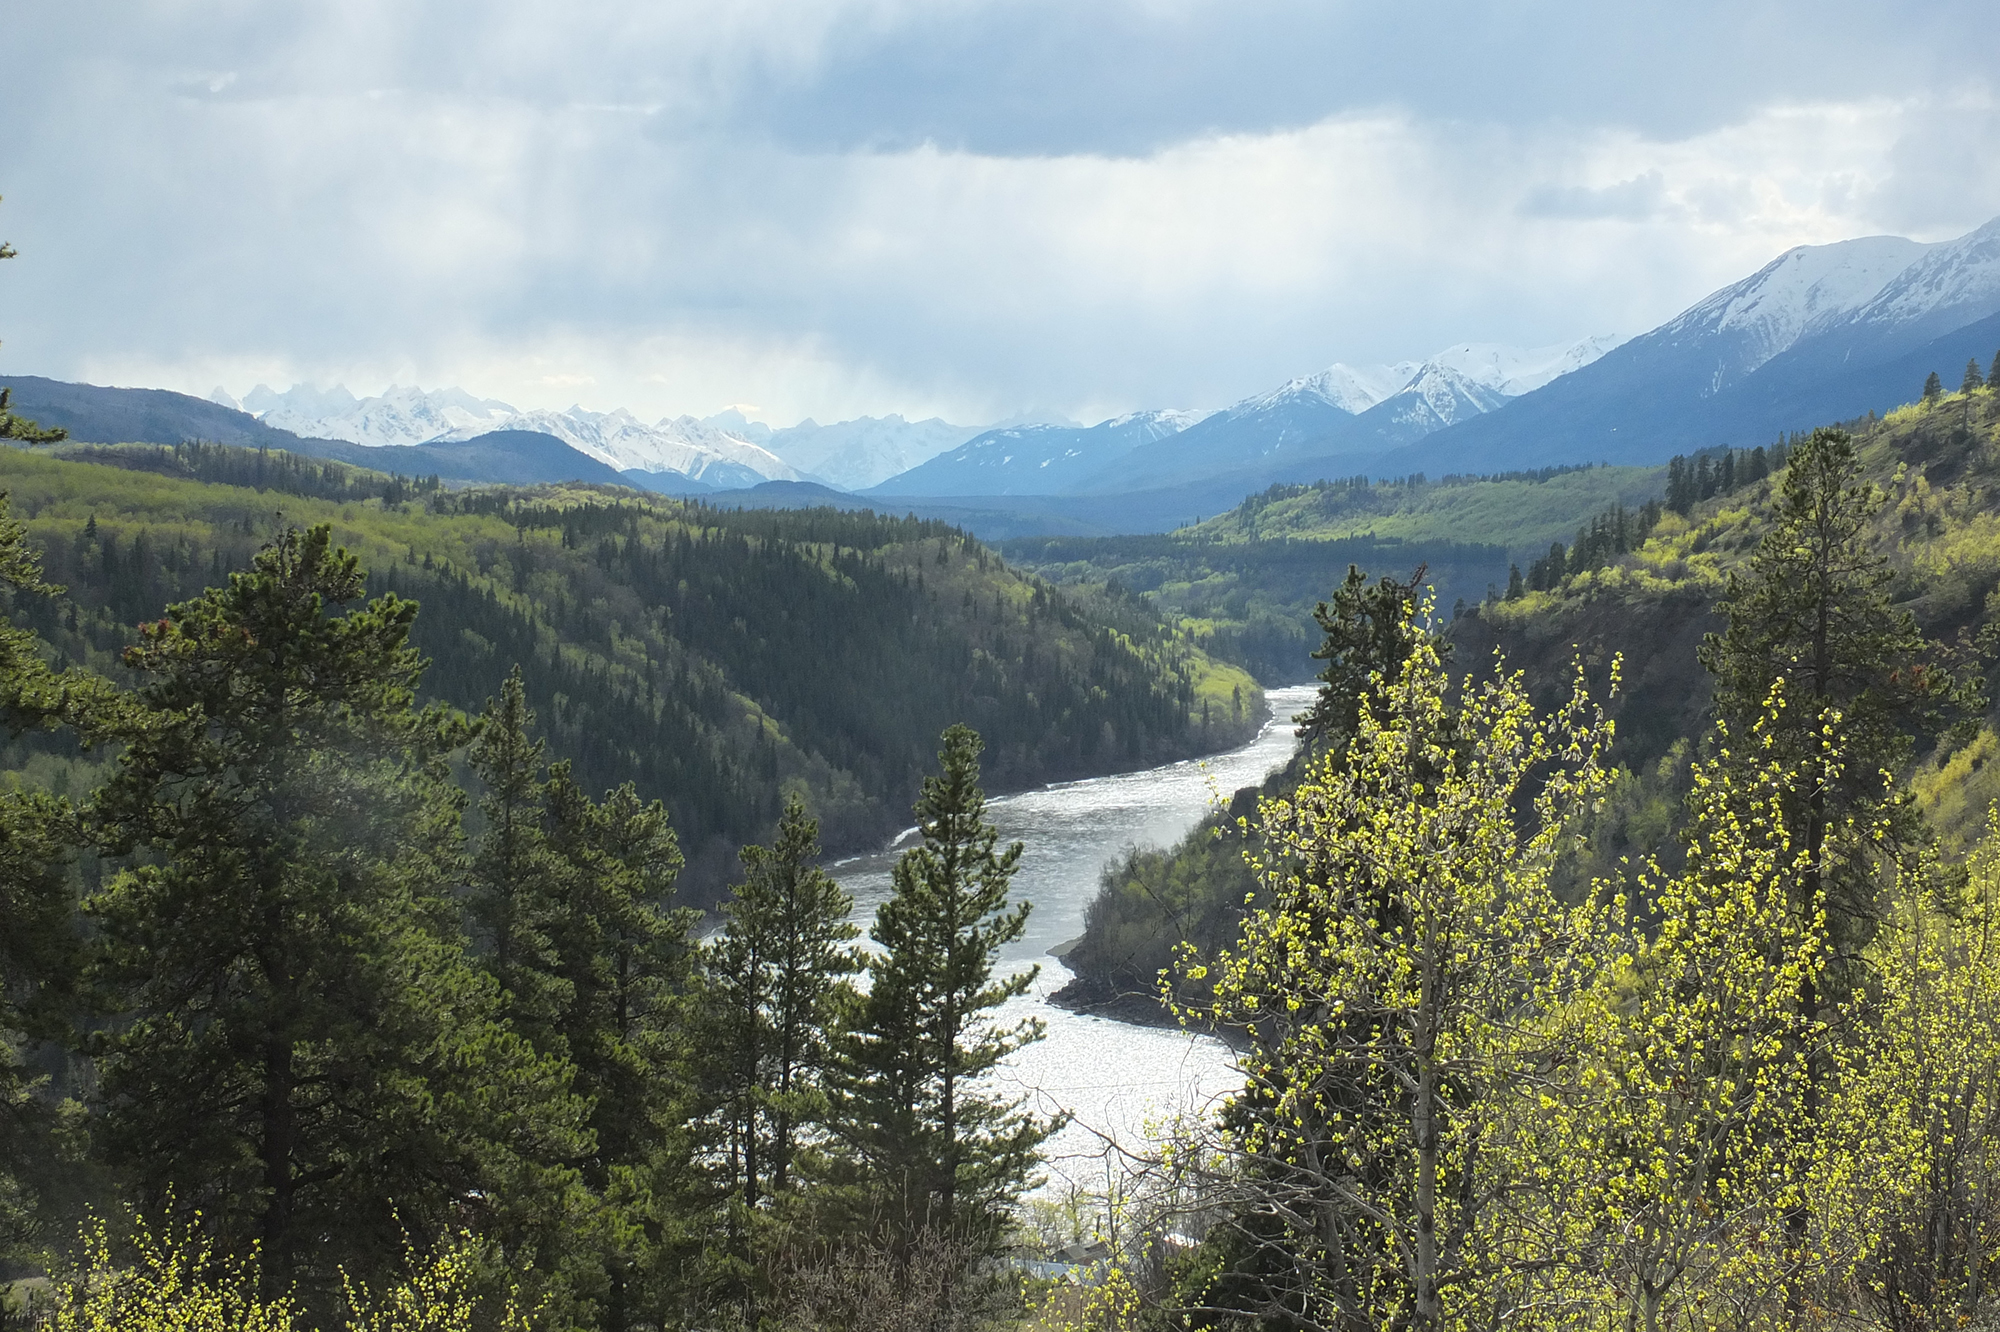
(1405, 939)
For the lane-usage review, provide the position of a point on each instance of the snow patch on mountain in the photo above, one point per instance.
(1958, 279)
(1437, 397)
(857, 454)
(402, 414)
(673, 444)
(1512, 371)
(1806, 290)
(1353, 389)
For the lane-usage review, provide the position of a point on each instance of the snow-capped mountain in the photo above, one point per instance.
(1512, 371)
(1342, 418)
(1436, 397)
(1808, 289)
(857, 454)
(1036, 459)
(402, 414)
(1821, 334)
(406, 415)
(679, 444)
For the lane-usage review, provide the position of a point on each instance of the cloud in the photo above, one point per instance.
(1641, 198)
(960, 208)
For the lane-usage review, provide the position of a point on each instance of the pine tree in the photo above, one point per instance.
(1516, 587)
(1933, 387)
(39, 941)
(937, 1154)
(1973, 379)
(1993, 372)
(1812, 610)
(304, 1055)
(781, 960)
(1367, 635)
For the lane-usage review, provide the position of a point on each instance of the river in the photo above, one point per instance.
(1113, 1077)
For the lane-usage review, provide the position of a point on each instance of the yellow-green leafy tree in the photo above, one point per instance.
(1392, 977)
(1664, 1172)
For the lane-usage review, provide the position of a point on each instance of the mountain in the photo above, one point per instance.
(1036, 459)
(659, 640)
(1437, 397)
(499, 457)
(1341, 420)
(1512, 371)
(681, 445)
(401, 414)
(1822, 333)
(147, 416)
(407, 416)
(853, 455)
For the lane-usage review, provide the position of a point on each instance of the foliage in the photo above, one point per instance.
(304, 1056)
(645, 630)
(1405, 936)
(936, 1150)
(173, 1280)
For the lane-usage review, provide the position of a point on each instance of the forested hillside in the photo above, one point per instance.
(718, 659)
(1522, 511)
(1650, 598)
(1251, 601)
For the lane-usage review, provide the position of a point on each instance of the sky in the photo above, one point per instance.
(978, 209)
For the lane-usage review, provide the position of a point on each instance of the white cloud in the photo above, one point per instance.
(368, 193)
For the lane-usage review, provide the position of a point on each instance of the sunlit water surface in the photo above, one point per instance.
(1113, 1077)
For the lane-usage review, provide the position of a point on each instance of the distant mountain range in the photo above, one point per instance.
(1822, 333)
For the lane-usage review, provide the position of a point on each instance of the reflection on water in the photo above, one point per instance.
(1111, 1075)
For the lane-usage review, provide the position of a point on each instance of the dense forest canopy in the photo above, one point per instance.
(718, 659)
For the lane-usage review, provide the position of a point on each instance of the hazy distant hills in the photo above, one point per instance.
(1036, 459)
(1820, 334)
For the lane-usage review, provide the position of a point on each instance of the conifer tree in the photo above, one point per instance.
(1367, 636)
(622, 957)
(1973, 379)
(780, 966)
(1993, 372)
(937, 1153)
(1812, 611)
(514, 883)
(306, 1057)
(39, 942)
(1933, 387)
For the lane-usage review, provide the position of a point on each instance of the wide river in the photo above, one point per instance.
(1113, 1077)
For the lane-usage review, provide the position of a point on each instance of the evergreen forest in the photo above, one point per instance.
(416, 915)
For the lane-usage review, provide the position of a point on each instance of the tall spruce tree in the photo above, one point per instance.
(939, 1154)
(39, 941)
(779, 971)
(1972, 379)
(515, 876)
(622, 955)
(1933, 387)
(304, 1056)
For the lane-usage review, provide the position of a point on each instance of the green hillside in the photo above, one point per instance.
(1252, 601)
(719, 659)
(1937, 465)
(1523, 512)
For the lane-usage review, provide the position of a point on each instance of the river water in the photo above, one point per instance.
(1113, 1077)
